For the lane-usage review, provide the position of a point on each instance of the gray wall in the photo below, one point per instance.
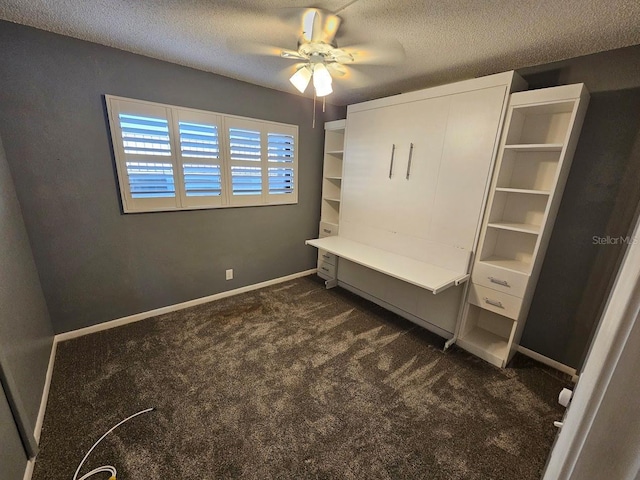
(600, 199)
(97, 264)
(26, 334)
(12, 458)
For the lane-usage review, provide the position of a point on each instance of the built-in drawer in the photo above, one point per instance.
(326, 271)
(324, 256)
(495, 301)
(496, 278)
(328, 229)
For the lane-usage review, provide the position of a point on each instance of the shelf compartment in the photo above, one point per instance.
(487, 334)
(330, 211)
(508, 264)
(331, 189)
(509, 249)
(335, 153)
(528, 170)
(334, 141)
(535, 147)
(540, 124)
(518, 212)
(523, 190)
(332, 166)
(337, 179)
(516, 227)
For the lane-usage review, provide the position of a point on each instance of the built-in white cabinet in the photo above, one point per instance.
(534, 158)
(331, 194)
(415, 175)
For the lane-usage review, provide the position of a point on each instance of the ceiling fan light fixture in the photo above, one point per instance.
(301, 78)
(322, 80)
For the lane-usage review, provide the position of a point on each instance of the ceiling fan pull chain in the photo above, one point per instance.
(313, 125)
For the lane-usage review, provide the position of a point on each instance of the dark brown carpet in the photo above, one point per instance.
(293, 382)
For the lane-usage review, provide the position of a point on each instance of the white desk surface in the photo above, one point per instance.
(424, 275)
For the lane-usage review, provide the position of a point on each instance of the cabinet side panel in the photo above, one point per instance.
(472, 130)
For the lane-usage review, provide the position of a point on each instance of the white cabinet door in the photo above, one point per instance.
(424, 125)
(472, 133)
(376, 193)
(366, 187)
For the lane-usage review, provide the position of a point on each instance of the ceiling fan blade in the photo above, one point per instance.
(352, 77)
(284, 53)
(337, 69)
(309, 19)
(387, 53)
(319, 26)
(331, 24)
(241, 46)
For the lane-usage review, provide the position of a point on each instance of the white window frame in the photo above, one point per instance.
(174, 115)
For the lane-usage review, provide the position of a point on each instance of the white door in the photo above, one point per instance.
(467, 156)
(369, 161)
(421, 131)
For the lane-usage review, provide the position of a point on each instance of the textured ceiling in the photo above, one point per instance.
(444, 40)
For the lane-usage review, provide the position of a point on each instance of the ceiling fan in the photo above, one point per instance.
(320, 59)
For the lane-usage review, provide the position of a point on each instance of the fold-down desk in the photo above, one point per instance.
(424, 275)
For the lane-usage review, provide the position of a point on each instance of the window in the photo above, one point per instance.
(173, 158)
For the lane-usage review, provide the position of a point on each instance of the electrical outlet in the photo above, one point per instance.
(229, 274)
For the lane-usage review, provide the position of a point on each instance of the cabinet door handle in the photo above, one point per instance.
(409, 164)
(326, 230)
(504, 283)
(495, 303)
(393, 154)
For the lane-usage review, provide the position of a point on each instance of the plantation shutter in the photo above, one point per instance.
(245, 161)
(145, 159)
(281, 164)
(176, 158)
(200, 158)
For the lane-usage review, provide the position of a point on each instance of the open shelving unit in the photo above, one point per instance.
(331, 193)
(534, 158)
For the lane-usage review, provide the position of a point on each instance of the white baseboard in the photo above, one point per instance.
(45, 392)
(28, 471)
(61, 337)
(549, 362)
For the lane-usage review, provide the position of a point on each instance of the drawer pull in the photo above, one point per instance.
(326, 230)
(504, 283)
(495, 303)
(393, 153)
(324, 255)
(325, 269)
(409, 163)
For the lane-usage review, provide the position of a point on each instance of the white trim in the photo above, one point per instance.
(28, 471)
(561, 367)
(178, 306)
(614, 331)
(45, 392)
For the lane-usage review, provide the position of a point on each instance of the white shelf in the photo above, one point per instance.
(335, 153)
(508, 264)
(487, 345)
(421, 274)
(536, 147)
(516, 227)
(523, 190)
(334, 178)
(330, 199)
